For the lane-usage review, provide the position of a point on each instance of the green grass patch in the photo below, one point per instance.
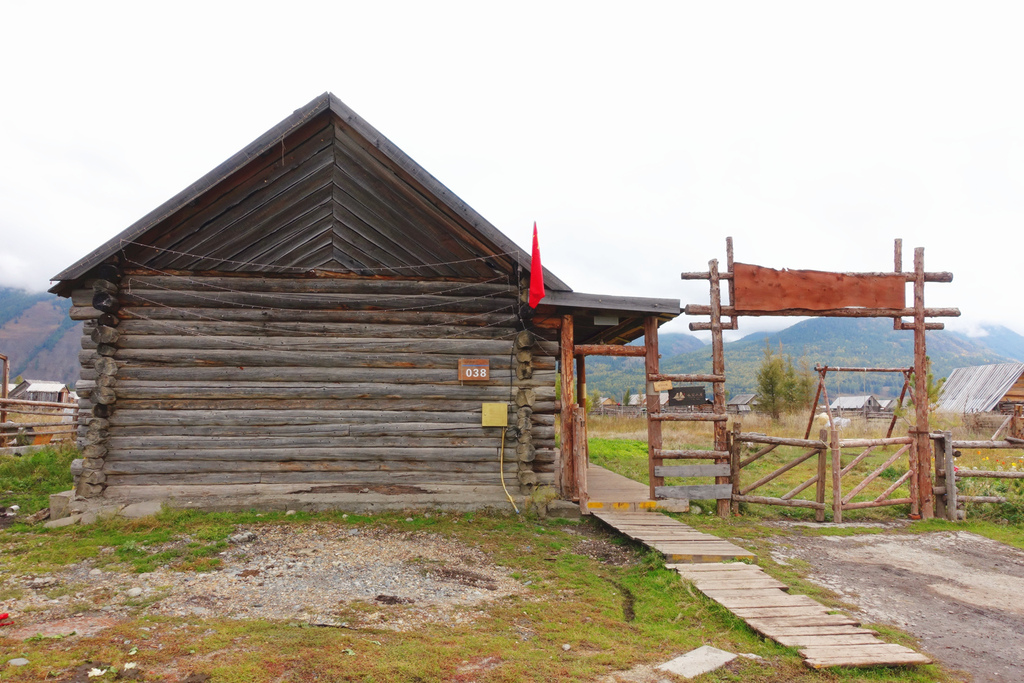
(32, 477)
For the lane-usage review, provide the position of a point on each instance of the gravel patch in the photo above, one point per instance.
(321, 574)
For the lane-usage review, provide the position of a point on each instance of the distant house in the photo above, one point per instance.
(983, 389)
(641, 399)
(856, 404)
(888, 404)
(741, 403)
(41, 390)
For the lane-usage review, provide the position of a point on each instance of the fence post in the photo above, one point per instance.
(951, 513)
(734, 464)
(837, 469)
(819, 489)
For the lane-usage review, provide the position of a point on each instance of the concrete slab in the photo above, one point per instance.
(697, 662)
(144, 509)
(60, 504)
(63, 521)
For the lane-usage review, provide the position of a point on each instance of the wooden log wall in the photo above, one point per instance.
(221, 380)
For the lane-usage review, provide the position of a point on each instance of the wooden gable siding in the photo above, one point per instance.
(1016, 392)
(320, 201)
(313, 381)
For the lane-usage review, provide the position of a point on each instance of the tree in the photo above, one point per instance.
(781, 388)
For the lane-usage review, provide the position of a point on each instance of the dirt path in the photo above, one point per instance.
(961, 594)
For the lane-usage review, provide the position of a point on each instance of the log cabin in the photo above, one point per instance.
(288, 331)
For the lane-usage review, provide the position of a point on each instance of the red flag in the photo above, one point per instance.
(536, 273)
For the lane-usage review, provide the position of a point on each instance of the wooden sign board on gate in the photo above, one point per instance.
(756, 288)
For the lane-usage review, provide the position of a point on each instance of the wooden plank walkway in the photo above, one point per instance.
(607, 491)
(676, 541)
(823, 639)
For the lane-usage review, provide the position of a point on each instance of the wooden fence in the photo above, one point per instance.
(41, 422)
(827, 454)
(948, 497)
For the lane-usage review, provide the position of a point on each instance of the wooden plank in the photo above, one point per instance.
(765, 289)
(769, 623)
(692, 470)
(840, 629)
(826, 641)
(731, 567)
(747, 583)
(780, 600)
(696, 492)
(754, 593)
(776, 612)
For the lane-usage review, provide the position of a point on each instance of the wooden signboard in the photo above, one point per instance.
(765, 289)
(687, 396)
(474, 369)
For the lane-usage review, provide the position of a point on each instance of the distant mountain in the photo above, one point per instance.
(848, 342)
(1003, 341)
(38, 337)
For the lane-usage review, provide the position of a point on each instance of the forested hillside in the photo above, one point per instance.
(38, 337)
(831, 341)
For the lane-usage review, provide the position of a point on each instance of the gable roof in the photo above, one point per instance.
(742, 400)
(978, 389)
(321, 189)
(853, 402)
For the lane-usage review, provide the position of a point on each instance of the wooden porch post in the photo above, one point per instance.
(718, 368)
(653, 401)
(921, 429)
(567, 472)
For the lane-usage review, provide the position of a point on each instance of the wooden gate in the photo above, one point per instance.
(827, 470)
(759, 291)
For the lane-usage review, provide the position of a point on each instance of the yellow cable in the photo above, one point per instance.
(501, 471)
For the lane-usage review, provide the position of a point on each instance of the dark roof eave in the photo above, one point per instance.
(269, 139)
(627, 305)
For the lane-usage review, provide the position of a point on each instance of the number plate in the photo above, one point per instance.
(474, 369)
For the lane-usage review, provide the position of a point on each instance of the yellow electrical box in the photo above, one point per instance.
(495, 415)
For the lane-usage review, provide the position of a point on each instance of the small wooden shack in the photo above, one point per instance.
(289, 331)
(856, 405)
(40, 390)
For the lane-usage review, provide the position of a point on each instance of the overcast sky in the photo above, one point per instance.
(637, 135)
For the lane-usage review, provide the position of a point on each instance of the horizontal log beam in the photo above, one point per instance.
(318, 285)
(988, 474)
(333, 343)
(689, 454)
(318, 324)
(663, 377)
(702, 309)
(382, 357)
(541, 407)
(609, 350)
(439, 377)
(984, 444)
(687, 417)
(6, 402)
(829, 368)
(199, 466)
(788, 502)
(865, 443)
(752, 437)
(908, 276)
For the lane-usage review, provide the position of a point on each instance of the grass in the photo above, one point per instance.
(572, 599)
(613, 617)
(28, 480)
